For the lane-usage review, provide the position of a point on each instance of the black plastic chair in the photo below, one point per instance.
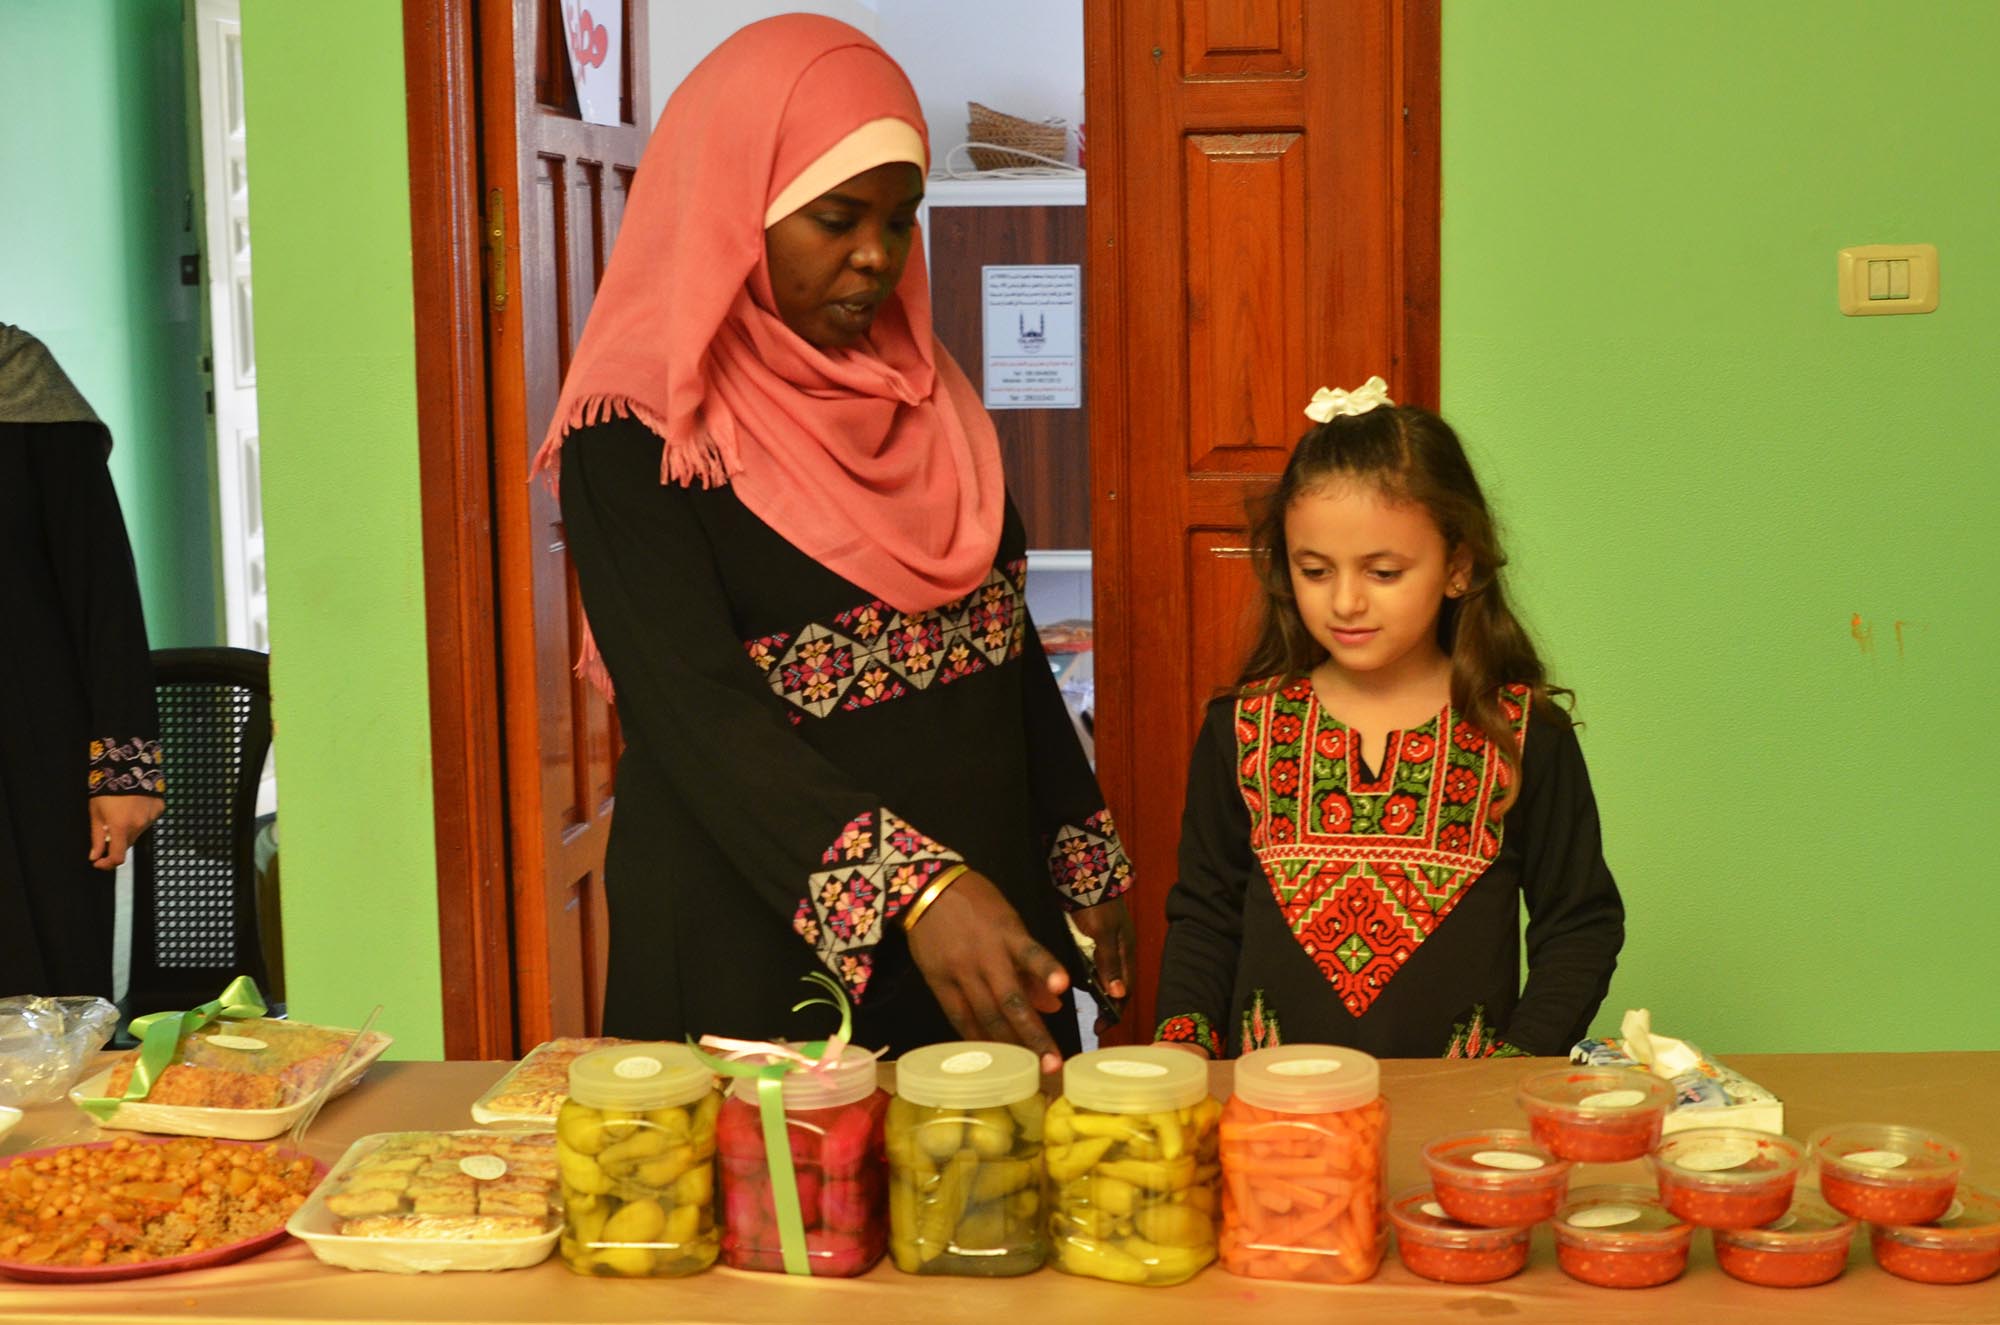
(194, 877)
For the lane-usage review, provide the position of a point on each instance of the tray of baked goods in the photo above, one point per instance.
(420, 1202)
(532, 1091)
(245, 1080)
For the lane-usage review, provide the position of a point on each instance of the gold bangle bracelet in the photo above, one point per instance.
(931, 893)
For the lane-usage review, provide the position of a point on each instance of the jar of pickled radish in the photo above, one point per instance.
(635, 1145)
(965, 1160)
(1302, 1172)
(1130, 1151)
(833, 1125)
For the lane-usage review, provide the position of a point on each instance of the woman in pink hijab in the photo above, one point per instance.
(845, 748)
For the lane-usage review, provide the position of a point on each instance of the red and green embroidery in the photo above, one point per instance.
(878, 866)
(1190, 1028)
(1088, 863)
(1365, 869)
(872, 654)
(126, 768)
(1260, 1025)
(1472, 1038)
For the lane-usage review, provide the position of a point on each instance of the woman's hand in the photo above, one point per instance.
(1108, 926)
(990, 976)
(116, 822)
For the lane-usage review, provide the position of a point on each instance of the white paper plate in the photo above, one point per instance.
(230, 1124)
(319, 1228)
(9, 1119)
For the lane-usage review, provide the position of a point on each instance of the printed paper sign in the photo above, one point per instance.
(1034, 346)
(594, 35)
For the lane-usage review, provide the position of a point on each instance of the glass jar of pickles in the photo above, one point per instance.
(635, 1145)
(965, 1160)
(833, 1127)
(1302, 1139)
(1130, 1151)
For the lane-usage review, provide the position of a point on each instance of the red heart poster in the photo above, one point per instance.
(594, 36)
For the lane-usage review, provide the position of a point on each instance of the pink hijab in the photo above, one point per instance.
(877, 461)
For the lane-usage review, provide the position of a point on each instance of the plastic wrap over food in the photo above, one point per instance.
(45, 1044)
(1699, 1082)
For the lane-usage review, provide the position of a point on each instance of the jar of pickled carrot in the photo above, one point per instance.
(1302, 1172)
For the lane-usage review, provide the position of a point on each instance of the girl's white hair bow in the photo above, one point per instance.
(1327, 403)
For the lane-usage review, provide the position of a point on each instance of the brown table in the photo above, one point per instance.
(1954, 1093)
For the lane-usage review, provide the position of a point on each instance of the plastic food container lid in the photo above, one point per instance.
(1618, 1218)
(639, 1076)
(1808, 1226)
(1972, 1223)
(1139, 1078)
(851, 1078)
(1727, 1157)
(1498, 1157)
(968, 1074)
(1606, 1093)
(1887, 1153)
(1308, 1078)
(1419, 1218)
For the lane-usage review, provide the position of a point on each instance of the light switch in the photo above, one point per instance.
(1888, 278)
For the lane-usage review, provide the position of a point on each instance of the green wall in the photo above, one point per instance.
(1709, 472)
(96, 220)
(329, 207)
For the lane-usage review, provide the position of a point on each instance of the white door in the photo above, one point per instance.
(225, 192)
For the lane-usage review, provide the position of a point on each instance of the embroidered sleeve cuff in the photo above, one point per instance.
(1190, 1028)
(129, 767)
(872, 872)
(1088, 863)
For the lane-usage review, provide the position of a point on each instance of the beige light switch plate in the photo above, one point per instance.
(1888, 278)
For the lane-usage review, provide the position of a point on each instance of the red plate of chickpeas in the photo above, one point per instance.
(137, 1206)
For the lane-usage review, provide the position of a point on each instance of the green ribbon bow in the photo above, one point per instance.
(770, 1079)
(159, 1032)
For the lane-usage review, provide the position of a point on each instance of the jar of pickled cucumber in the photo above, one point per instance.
(965, 1160)
(833, 1124)
(635, 1145)
(1302, 1137)
(1130, 1151)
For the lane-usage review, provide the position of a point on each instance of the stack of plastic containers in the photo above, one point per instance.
(1925, 1224)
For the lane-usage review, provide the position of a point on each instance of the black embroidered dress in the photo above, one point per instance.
(801, 759)
(1320, 901)
(77, 715)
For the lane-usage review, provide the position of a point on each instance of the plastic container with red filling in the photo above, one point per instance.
(1432, 1244)
(1598, 1115)
(1807, 1245)
(1727, 1177)
(1496, 1179)
(1620, 1237)
(1961, 1248)
(1886, 1174)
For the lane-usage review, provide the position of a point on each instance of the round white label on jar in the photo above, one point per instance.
(483, 1168)
(1604, 1216)
(1506, 1159)
(1305, 1067)
(1877, 1159)
(1781, 1223)
(638, 1069)
(1714, 1159)
(1125, 1067)
(972, 1060)
(1613, 1099)
(243, 1042)
(1434, 1210)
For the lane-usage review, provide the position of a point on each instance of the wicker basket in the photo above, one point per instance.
(985, 125)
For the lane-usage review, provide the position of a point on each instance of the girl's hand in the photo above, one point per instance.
(116, 822)
(990, 976)
(1108, 926)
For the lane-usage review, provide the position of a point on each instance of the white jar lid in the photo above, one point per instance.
(1308, 1078)
(1137, 1078)
(851, 1078)
(968, 1074)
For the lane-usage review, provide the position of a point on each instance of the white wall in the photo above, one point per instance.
(681, 32)
(1023, 56)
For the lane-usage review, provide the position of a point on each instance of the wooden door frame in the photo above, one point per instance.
(1111, 378)
(468, 788)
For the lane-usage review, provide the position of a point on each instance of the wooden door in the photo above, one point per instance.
(555, 192)
(1263, 221)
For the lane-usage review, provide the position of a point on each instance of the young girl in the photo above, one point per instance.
(1388, 782)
